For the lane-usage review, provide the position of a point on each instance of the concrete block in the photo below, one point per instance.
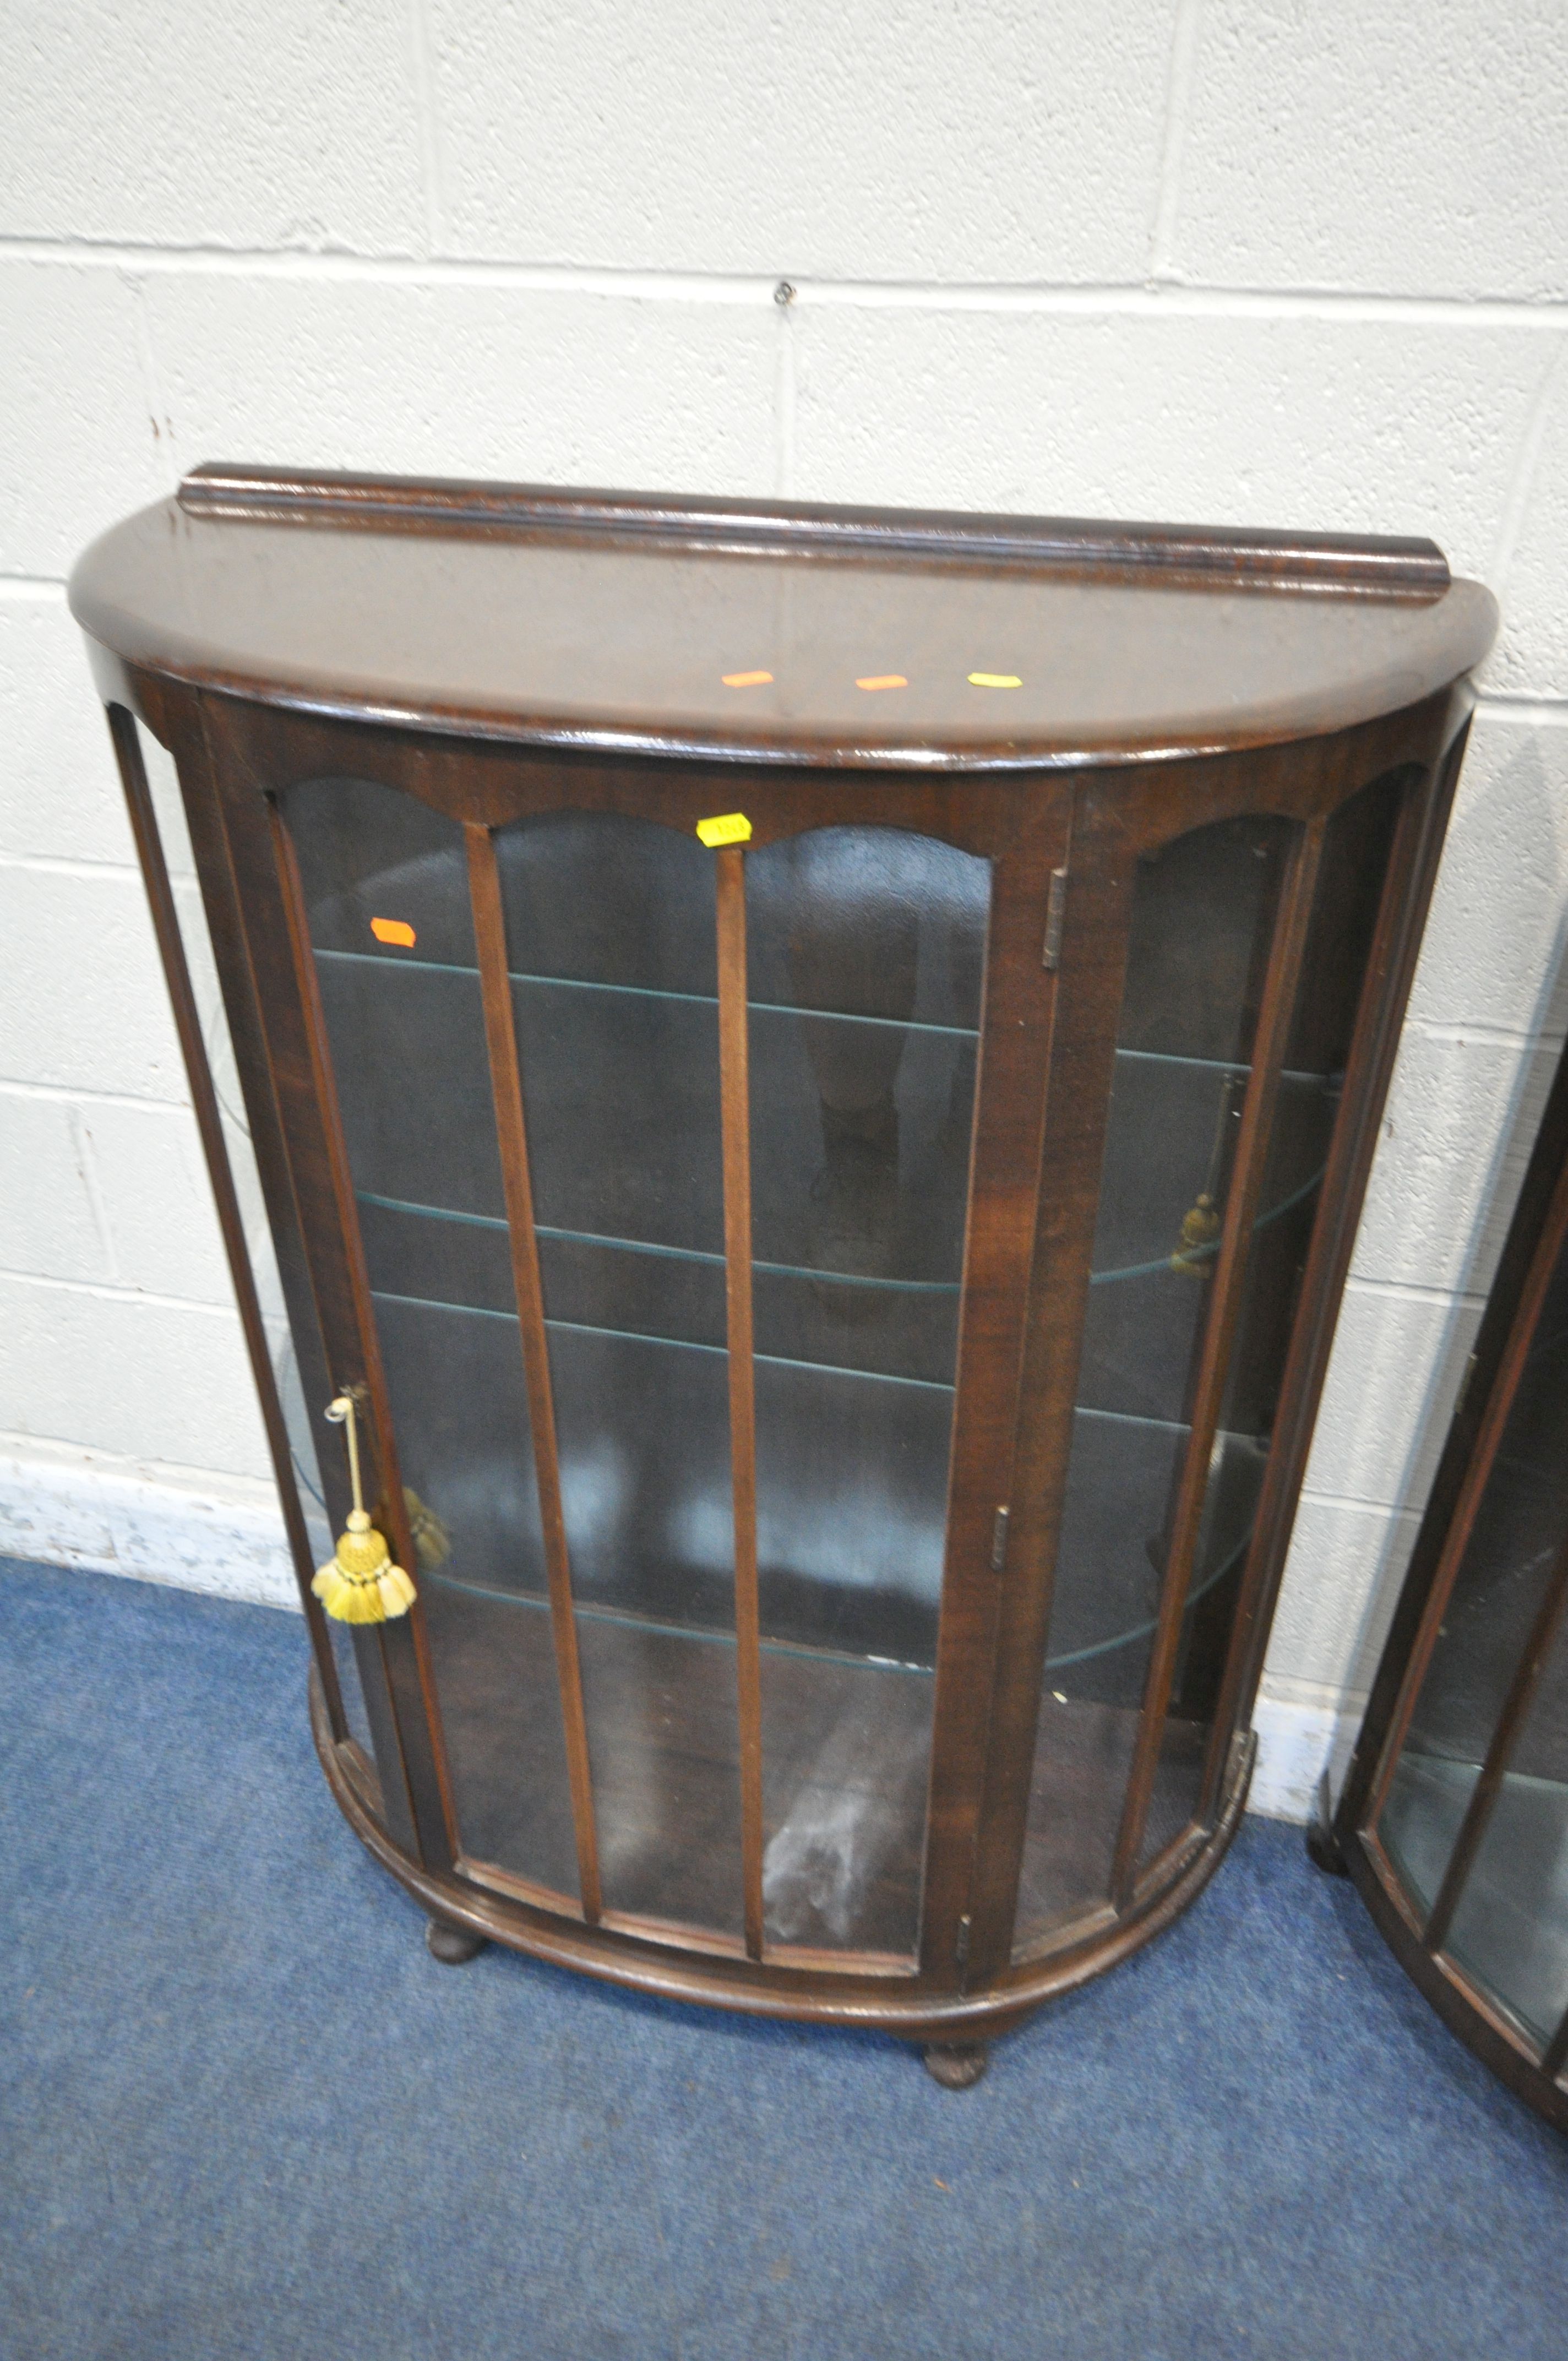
(1532, 656)
(84, 996)
(908, 141)
(1294, 1743)
(1341, 1581)
(156, 1200)
(1439, 1163)
(154, 1382)
(1494, 935)
(81, 443)
(1354, 424)
(59, 792)
(207, 124)
(1392, 1382)
(1403, 148)
(75, 1508)
(462, 380)
(47, 1223)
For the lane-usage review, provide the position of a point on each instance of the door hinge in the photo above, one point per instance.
(999, 1541)
(1056, 911)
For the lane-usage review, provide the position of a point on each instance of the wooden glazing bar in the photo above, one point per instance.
(511, 1134)
(1505, 1738)
(1016, 1156)
(1494, 1426)
(231, 1222)
(735, 1106)
(1408, 884)
(1270, 1040)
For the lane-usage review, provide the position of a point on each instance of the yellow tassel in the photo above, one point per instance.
(1199, 1228)
(359, 1583)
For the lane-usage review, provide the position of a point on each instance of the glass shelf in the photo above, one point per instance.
(654, 991)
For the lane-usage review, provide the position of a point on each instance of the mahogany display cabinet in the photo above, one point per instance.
(811, 1073)
(1453, 1819)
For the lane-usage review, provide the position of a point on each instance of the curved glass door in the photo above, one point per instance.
(526, 1037)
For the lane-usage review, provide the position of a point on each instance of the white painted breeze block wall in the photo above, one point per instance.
(1246, 261)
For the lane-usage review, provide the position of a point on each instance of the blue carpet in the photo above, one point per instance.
(244, 2113)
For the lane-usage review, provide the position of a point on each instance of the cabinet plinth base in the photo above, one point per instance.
(907, 2006)
(958, 2066)
(453, 1946)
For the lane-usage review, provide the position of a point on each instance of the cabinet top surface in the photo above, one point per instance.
(761, 632)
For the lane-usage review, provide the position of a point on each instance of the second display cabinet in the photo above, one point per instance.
(812, 1073)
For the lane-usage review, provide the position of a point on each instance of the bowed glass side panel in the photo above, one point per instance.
(1501, 1642)
(1203, 927)
(866, 952)
(387, 899)
(1347, 900)
(360, 1676)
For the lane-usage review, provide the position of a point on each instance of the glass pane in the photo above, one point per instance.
(610, 941)
(1510, 1930)
(865, 950)
(1354, 860)
(1202, 924)
(387, 894)
(363, 1688)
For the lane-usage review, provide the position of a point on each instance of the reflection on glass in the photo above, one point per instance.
(1509, 1931)
(1202, 924)
(406, 1030)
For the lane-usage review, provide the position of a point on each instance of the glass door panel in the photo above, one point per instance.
(387, 899)
(610, 945)
(865, 957)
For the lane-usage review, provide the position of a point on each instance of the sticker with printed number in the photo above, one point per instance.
(730, 828)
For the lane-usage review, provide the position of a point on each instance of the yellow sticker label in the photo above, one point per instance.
(881, 680)
(994, 680)
(393, 930)
(730, 828)
(745, 679)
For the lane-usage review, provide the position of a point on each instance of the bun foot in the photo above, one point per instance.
(957, 2066)
(1322, 1845)
(452, 1946)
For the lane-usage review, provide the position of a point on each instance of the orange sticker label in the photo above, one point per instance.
(393, 930)
(882, 680)
(745, 679)
(729, 828)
